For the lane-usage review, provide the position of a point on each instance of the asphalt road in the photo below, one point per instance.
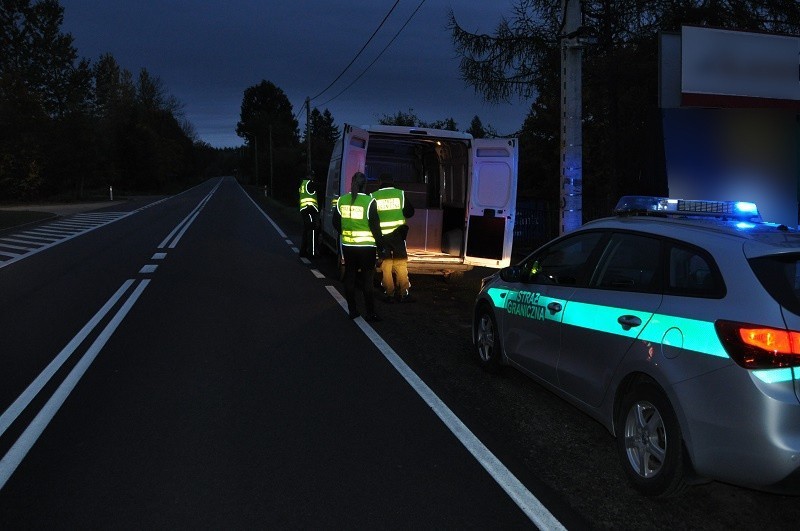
(236, 393)
(206, 378)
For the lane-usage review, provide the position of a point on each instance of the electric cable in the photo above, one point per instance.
(376, 59)
(359, 52)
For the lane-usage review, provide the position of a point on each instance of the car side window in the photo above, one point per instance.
(563, 263)
(692, 273)
(630, 262)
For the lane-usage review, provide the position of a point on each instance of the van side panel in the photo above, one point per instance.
(329, 239)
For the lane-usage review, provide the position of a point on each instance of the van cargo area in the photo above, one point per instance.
(433, 174)
(460, 220)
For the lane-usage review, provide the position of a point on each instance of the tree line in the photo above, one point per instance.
(71, 127)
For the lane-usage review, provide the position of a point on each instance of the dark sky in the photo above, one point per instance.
(207, 52)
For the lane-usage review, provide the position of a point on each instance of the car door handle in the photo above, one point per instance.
(629, 321)
(554, 308)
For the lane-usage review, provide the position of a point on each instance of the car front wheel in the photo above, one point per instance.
(649, 442)
(487, 340)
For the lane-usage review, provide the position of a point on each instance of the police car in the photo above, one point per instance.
(676, 324)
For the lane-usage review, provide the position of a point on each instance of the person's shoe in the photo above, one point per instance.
(408, 298)
(388, 298)
(374, 318)
(354, 315)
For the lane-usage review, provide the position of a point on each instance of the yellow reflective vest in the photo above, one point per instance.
(390, 208)
(307, 199)
(355, 220)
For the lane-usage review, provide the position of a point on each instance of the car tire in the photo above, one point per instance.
(649, 442)
(488, 345)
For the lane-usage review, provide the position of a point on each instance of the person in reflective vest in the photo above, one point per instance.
(393, 211)
(309, 212)
(356, 219)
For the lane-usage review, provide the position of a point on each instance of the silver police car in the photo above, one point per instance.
(676, 324)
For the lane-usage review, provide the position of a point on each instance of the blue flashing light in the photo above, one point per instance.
(744, 225)
(638, 204)
(746, 207)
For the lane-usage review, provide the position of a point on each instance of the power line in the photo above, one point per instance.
(378, 57)
(359, 52)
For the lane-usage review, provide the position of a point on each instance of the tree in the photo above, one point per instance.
(324, 134)
(270, 130)
(476, 128)
(43, 91)
(621, 118)
(410, 119)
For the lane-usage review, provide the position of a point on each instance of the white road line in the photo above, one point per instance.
(274, 225)
(180, 234)
(183, 226)
(149, 268)
(159, 256)
(13, 411)
(13, 458)
(17, 247)
(317, 273)
(21, 241)
(525, 500)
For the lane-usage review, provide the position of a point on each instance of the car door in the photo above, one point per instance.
(534, 305)
(602, 321)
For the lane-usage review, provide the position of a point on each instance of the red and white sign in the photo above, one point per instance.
(723, 68)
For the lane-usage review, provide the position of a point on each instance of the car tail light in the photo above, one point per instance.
(759, 347)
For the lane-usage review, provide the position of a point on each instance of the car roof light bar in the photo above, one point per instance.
(665, 206)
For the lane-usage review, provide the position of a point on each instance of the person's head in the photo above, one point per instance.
(359, 182)
(385, 180)
(312, 185)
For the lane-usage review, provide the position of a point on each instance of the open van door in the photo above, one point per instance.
(354, 155)
(492, 202)
(349, 156)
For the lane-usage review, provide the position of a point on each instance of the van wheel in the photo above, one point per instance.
(649, 442)
(487, 340)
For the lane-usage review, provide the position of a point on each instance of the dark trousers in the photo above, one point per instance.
(308, 245)
(359, 271)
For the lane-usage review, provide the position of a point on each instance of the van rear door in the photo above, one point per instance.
(354, 155)
(491, 202)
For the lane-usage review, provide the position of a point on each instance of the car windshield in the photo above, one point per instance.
(780, 276)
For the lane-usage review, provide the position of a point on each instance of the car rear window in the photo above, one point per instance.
(780, 276)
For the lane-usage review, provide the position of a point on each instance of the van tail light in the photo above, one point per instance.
(759, 347)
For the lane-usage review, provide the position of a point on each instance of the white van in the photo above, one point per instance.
(464, 192)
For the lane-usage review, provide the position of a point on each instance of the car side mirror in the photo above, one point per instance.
(511, 274)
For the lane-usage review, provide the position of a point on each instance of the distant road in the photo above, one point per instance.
(180, 367)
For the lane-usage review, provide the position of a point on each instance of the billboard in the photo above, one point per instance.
(723, 68)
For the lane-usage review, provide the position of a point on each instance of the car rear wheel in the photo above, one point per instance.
(487, 340)
(649, 442)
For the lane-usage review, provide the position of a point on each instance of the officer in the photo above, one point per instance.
(393, 211)
(309, 211)
(356, 219)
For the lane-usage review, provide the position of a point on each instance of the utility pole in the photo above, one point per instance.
(308, 135)
(256, 161)
(571, 208)
(271, 191)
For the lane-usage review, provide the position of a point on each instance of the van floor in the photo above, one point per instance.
(421, 254)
